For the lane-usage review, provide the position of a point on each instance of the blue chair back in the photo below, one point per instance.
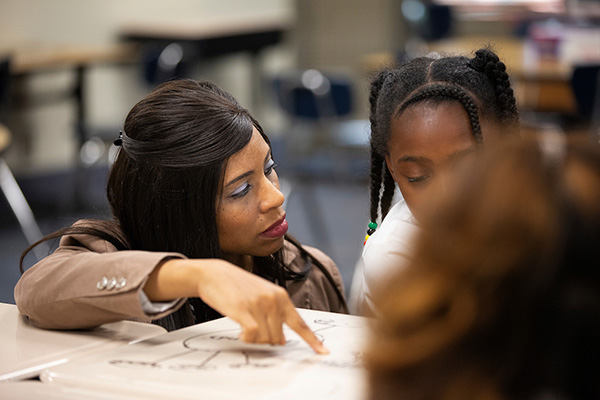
(585, 83)
(4, 86)
(163, 62)
(333, 98)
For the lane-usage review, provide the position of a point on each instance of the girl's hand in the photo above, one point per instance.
(259, 306)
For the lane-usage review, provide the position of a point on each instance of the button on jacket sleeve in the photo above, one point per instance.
(85, 283)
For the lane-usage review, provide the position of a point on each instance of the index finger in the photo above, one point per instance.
(294, 321)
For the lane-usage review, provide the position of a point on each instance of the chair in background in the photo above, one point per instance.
(159, 62)
(322, 142)
(163, 62)
(585, 83)
(11, 190)
(426, 21)
(585, 118)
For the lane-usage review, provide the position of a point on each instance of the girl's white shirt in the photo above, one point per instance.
(386, 251)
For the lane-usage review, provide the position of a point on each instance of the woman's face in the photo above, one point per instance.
(250, 216)
(423, 142)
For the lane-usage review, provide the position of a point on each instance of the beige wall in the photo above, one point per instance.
(329, 34)
(44, 131)
(337, 34)
(97, 21)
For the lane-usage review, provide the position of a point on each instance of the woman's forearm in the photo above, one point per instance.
(259, 306)
(176, 278)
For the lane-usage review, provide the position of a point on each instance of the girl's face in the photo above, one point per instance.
(423, 142)
(250, 216)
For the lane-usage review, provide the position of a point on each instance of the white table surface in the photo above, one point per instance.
(26, 350)
(35, 390)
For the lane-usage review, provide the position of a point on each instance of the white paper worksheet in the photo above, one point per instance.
(209, 361)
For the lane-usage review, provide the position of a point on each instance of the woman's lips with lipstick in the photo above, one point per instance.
(276, 230)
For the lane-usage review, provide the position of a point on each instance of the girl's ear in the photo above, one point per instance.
(389, 166)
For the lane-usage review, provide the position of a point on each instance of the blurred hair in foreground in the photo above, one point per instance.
(503, 298)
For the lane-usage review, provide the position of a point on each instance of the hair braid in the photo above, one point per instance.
(377, 159)
(376, 85)
(437, 90)
(376, 175)
(389, 185)
(487, 61)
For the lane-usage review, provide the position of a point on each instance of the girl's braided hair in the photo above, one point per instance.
(480, 84)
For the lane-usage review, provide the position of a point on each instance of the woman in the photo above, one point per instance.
(198, 231)
(502, 299)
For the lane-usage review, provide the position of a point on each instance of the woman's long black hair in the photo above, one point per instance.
(164, 183)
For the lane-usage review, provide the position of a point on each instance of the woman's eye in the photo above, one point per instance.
(241, 191)
(270, 167)
(418, 178)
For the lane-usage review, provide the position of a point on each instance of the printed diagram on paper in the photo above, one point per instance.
(210, 359)
(222, 349)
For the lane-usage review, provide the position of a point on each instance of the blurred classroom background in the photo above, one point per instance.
(70, 70)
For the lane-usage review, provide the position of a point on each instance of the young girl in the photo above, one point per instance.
(424, 114)
(199, 231)
(502, 299)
